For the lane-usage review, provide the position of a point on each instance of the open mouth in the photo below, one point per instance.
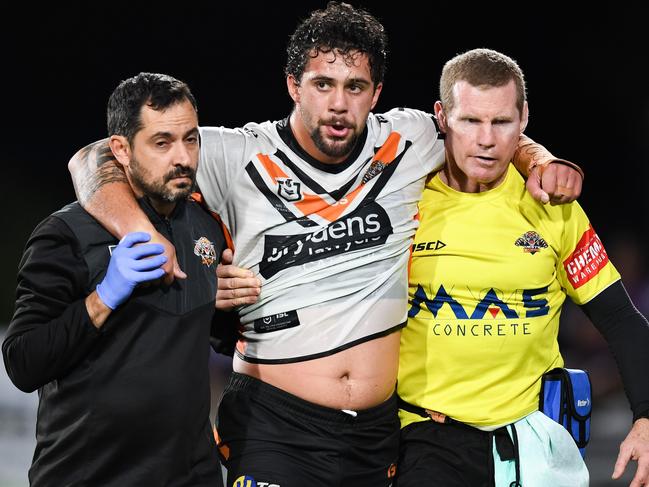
(337, 130)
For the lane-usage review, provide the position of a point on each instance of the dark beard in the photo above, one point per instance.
(158, 190)
(337, 150)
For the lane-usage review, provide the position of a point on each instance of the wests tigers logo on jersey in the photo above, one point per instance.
(375, 169)
(531, 242)
(205, 250)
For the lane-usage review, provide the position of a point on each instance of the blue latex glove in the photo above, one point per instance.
(130, 266)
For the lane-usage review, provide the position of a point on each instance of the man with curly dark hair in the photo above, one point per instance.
(321, 208)
(323, 33)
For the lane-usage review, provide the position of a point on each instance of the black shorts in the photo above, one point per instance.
(449, 455)
(280, 440)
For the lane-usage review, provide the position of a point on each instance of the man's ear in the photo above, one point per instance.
(375, 96)
(440, 116)
(524, 117)
(121, 149)
(293, 88)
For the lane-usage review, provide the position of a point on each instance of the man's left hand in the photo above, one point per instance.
(635, 447)
(555, 183)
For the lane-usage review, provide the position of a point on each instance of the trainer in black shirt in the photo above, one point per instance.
(122, 368)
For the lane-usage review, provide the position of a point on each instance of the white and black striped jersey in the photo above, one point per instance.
(329, 242)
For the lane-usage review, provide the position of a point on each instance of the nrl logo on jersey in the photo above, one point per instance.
(205, 250)
(531, 242)
(289, 189)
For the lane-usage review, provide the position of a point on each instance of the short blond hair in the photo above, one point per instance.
(481, 67)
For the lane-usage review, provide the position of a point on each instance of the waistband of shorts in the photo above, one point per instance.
(271, 395)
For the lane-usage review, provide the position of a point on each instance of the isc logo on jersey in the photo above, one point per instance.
(433, 245)
(247, 481)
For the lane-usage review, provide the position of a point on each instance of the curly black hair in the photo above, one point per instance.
(342, 28)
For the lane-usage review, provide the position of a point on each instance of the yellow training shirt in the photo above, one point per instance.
(488, 276)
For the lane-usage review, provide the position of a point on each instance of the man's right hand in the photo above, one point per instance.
(236, 286)
(171, 267)
(130, 264)
(635, 447)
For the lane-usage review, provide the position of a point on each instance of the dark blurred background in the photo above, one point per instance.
(586, 84)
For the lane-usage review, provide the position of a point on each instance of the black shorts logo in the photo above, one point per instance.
(248, 481)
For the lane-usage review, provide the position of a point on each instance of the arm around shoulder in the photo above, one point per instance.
(103, 191)
(549, 179)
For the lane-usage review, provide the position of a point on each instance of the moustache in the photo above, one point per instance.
(181, 172)
(340, 122)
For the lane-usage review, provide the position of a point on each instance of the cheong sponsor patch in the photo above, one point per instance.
(586, 260)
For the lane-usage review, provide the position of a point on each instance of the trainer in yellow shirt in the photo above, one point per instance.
(488, 276)
(489, 273)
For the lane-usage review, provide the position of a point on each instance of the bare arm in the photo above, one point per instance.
(549, 179)
(103, 190)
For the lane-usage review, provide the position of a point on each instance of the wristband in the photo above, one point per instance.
(543, 164)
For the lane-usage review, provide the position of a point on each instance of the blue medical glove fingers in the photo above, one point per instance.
(148, 264)
(151, 275)
(129, 266)
(133, 238)
(144, 250)
(137, 259)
